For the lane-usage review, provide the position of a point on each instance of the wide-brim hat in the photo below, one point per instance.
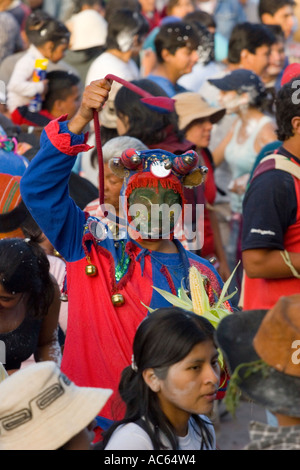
(41, 409)
(267, 336)
(190, 106)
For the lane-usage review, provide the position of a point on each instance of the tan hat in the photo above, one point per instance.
(41, 409)
(260, 349)
(190, 106)
(278, 331)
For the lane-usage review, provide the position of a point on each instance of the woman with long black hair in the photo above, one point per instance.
(29, 304)
(170, 386)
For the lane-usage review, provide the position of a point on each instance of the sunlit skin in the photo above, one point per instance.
(122, 125)
(178, 64)
(190, 386)
(199, 132)
(257, 62)
(55, 54)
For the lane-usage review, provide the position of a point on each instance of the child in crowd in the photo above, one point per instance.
(176, 47)
(48, 39)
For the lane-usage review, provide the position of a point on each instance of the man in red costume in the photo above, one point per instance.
(110, 280)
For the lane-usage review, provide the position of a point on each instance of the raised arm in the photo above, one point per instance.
(44, 186)
(94, 97)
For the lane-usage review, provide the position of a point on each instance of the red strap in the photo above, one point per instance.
(157, 102)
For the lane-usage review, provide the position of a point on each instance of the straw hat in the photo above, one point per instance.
(190, 106)
(41, 409)
(269, 336)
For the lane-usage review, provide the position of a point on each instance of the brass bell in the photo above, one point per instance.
(136, 159)
(118, 300)
(64, 297)
(188, 159)
(116, 162)
(91, 270)
(56, 253)
(168, 165)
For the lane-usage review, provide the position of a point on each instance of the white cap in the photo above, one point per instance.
(88, 29)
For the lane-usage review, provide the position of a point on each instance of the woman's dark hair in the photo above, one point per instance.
(147, 125)
(125, 21)
(41, 28)
(174, 35)
(24, 268)
(287, 105)
(163, 338)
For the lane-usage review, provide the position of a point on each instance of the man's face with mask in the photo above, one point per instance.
(154, 211)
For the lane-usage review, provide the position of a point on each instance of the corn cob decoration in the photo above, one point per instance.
(199, 302)
(3, 373)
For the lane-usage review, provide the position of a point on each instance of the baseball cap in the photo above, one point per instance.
(240, 80)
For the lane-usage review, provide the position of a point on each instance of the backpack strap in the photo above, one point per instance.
(277, 161)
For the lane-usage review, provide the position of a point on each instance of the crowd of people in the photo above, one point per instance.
(142, 142)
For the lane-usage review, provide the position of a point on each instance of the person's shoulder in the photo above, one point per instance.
(129, 436)
(164, 83)
(270, 147)
(272, 179)
(99, 61)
